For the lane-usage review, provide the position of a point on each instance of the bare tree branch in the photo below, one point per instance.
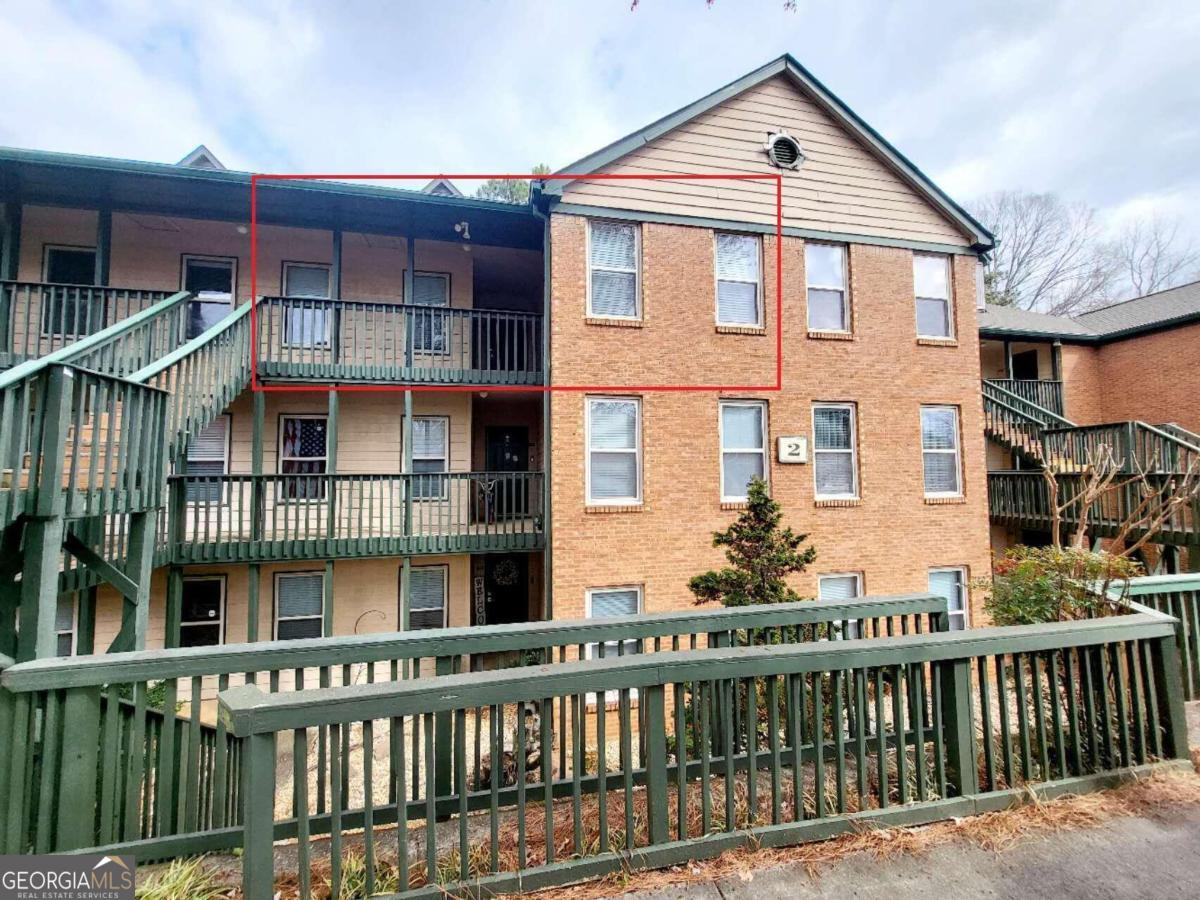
(1152, 255)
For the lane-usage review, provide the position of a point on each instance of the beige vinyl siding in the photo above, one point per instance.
(841, 187)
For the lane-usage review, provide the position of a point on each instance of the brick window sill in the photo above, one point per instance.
(945, 501)
(602, 510)
(831, 335)
(834, 504)
(937, 342)
(741, 329)
(604, 321)
(734, 506)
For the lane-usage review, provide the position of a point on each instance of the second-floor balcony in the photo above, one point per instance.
(346, 340)
(246, 518)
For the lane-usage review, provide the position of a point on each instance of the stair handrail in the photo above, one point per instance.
(160, 365)
(1016, 402)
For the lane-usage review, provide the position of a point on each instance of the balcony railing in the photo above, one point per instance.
(37, 319)
(1046, 394)
(307, 339)
(222, 518)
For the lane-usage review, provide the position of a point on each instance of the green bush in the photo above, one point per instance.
(1033, 585)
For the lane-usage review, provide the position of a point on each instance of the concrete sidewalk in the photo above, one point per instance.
(1129, 857)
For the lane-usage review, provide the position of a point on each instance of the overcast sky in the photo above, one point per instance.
(1095, 100)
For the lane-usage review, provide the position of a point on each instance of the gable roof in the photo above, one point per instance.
(442, 187)
(785, 65)
(1152, 312)
(202, 158)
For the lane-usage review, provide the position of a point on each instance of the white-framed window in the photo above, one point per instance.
(303, 451)
(940, 451)
(299, 605)
(743, 427)
(739, 279)
(835, 454)
(825, 274)
(614, 280)
(66, 625)
(614, 451)
(431, 327)
(604, 603)
(841, 586)
(430, 456)
(429, 587)
(212, 282)
(202, 611)
(306, 324)
(951, 583)
(65, 311)
(931, 283)
(207, 454)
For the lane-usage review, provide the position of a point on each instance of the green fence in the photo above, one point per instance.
(1177, 596)
(80, 734)
(660, 770)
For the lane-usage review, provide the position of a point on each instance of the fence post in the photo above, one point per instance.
(258, 778)
(78, 770)
(656, 763)
(443, 738)
(721, 717)
(958, 725)
(1168, 685)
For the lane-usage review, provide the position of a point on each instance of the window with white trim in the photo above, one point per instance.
(306, 324)
(212, 282)
(613, 277)
(951, 583)
(303, 451)
(207, 455)
(931, 283)
(743, 447)
(825, 274)
(202, 611)
(603, 603)
(614, 463)
(841, 586)
(739, 280)
(65, 625)
(428, 586)
(299, 605)
(835, 456)
(430, 456)
(431, 326)
(940, 451)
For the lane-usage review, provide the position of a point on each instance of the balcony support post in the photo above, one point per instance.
(174, 611)
(10, 252)
(405, 593)
(331, 468)
(97, 315)
(1008, 362)
(335, 289)
(39, 588)
(85, 632)
(409, 299)
(254, 574)
(407, 465)
(1056, 362)
(256, 468)
(327, 611)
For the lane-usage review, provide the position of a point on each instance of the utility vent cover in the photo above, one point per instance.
(784, 150)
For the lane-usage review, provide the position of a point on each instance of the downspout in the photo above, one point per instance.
(535, 197)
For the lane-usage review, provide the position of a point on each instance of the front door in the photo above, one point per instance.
(210, 281)
(507, 450)
(1025, 365)
(506, 588)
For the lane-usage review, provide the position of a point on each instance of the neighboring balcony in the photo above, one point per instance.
(37, 319)
(348, 340)
(240, 518)
(1046, 394)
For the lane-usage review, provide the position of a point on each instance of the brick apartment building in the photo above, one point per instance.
(304, 511)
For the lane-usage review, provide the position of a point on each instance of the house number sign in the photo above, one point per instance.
(793, 449)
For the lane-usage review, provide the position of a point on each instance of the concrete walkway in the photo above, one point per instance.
(1126, 858)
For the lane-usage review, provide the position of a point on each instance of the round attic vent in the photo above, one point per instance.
(784, 150)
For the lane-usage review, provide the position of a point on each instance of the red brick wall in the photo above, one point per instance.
(1153, 378)
(1082, 395)
(892, 535)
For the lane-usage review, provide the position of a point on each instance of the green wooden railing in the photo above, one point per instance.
(1134, 444)
(1021, 499)
(833, 737)
(1015, 421)
(1177, 596)
(349, 340)
(37, 319)
(261, 517)
(62, 750)
(203, 376)
(1046, 394)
